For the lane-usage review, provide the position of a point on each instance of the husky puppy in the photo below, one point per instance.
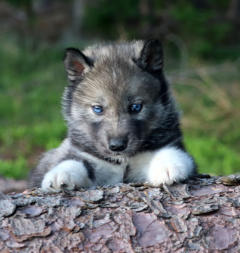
(122, 121)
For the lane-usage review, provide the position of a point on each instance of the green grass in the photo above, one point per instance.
(212, 156)
(209, 97)
(31, 84)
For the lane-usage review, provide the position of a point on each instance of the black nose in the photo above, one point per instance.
(118, 144)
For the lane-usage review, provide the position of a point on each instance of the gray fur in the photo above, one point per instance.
(114, 76)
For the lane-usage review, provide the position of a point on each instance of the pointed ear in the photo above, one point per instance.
(151, 56)
(76, 64)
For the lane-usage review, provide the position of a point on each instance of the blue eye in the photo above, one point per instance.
(135, 108)
(98, 109)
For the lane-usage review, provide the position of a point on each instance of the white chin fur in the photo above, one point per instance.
(69, 173)
(169, 165)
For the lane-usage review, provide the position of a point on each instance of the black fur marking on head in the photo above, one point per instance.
(151, 60)
(151, 57)
(90, 170)
(164, 91)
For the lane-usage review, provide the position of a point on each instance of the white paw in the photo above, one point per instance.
(169, 165)
(67, 175)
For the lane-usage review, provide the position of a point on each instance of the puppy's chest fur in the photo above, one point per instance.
(102, 172)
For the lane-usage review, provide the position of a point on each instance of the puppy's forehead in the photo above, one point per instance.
(115, 76)
(111, 75)
(116, 88)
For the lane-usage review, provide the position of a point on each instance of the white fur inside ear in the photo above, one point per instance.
(169, 165)
(68, 174)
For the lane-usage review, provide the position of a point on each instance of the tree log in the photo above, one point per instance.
(201, 215)
(10, 185)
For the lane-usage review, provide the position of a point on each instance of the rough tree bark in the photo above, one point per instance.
(11, 185)
(202, 215)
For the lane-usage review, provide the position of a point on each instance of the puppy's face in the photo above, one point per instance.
(115, 103)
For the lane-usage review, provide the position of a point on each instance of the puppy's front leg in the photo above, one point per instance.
(68, 174)
(169, 165)
(164, 166)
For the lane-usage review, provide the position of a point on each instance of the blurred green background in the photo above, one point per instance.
(202, 62)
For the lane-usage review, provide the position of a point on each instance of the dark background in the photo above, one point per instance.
(202, 54)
